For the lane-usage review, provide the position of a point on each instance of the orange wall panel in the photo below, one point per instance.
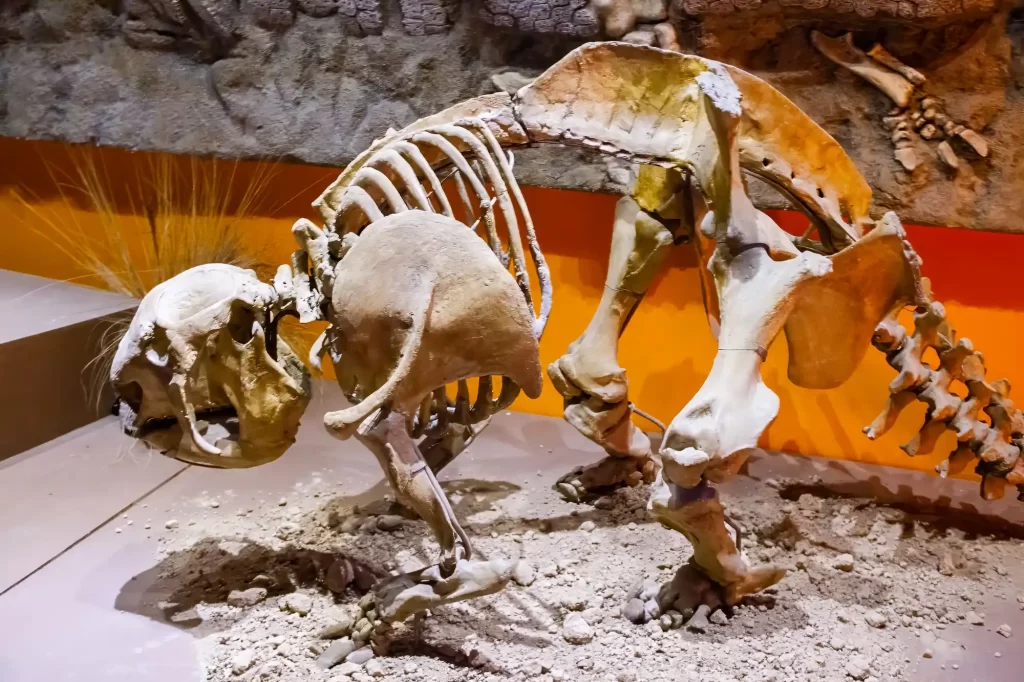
(667, 349)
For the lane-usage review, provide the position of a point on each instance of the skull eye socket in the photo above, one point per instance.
(241, 325)
(131, 393)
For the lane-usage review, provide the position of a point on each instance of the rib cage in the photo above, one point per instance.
(996, 446)
(409, 169)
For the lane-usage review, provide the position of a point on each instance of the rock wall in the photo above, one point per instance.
(317, 81)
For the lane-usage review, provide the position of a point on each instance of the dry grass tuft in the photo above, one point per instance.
(179, 213)
(174, 214)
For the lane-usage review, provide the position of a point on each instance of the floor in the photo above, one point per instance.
(81, 519)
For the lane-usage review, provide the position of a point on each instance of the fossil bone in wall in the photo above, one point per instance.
(917, 115)
(240, 78)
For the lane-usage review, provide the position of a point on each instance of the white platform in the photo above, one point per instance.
(50, 334)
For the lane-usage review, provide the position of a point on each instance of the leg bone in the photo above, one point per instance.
(589, 375)
(413, 482)
(697, 513)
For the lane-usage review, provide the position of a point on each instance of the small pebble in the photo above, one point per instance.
(876, 619)
(844, 562)
(297, 602)
(524, 574)
(575, 630)
(360, 656)
(242, 661)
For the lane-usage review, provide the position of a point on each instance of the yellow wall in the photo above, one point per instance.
(667, 349)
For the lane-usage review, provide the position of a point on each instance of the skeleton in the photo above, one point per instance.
(455, 312)
(455, 307)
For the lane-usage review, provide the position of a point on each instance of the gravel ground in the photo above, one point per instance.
(261, 586)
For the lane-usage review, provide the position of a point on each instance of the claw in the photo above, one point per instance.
(405, 595)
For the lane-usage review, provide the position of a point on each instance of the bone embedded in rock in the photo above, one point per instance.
(947, 155)
(843, 52)
(976, 141)
(886, 58)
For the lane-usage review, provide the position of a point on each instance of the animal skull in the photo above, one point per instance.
(201, 359)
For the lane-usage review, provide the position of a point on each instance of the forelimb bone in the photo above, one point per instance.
(386, 435)
(589, 376)
(456, 576)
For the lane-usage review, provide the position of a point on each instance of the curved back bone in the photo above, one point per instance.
(641, 103)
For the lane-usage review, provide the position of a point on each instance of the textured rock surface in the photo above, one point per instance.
(318, 80)
(564, 17)
(919, 11)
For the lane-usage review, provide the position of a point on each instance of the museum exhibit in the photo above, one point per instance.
(485, 340)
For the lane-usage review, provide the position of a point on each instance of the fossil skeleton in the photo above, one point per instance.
(917, 115)
(462, 303)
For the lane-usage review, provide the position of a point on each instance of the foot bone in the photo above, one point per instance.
(402, 596)
(584, 482)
